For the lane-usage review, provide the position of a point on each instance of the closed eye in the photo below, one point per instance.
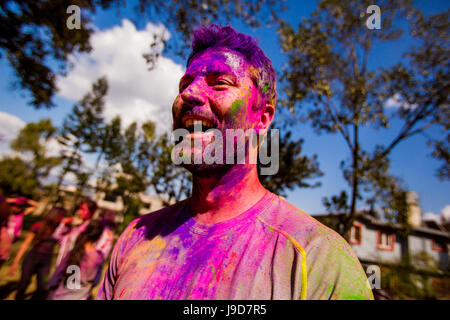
(223, 82)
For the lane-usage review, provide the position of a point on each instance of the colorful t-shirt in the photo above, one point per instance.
(105, 242)
(271, 251)
(15, 224)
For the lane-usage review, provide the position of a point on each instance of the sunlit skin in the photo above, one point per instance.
(218, 87)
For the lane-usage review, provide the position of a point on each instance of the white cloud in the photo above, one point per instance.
(430, 216)
(10, 126)
(398, 101)
(135, 93)
(445, 212)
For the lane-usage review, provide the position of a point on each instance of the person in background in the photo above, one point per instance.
(67, 234)
(38, 259)
(104, 244)
(21, 207)
(6, 238)
(73, 283)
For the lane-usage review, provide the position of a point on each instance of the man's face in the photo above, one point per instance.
(217, 89)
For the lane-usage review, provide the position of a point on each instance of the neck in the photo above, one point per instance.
(223, 196)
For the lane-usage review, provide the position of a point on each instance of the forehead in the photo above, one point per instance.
(220, 60)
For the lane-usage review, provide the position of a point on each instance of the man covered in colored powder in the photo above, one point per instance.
(232, 239)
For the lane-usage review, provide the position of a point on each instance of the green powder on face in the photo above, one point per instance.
(266, 87)
(237, 104)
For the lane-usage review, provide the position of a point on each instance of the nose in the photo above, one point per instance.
(194, 94)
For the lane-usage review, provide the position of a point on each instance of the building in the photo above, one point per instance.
(379, 242)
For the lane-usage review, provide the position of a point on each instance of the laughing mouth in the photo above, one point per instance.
(197, 124)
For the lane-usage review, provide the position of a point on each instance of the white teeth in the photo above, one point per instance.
(195, 122)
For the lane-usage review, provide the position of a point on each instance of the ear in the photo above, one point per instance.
(266, 117)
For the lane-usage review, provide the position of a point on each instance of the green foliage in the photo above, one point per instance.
(131, 212)
(85, 122)
(83, 130)
(37, 43)
(405, 282)
(168, 180)
(32, 141)
(337, 204)
(29, 137)
(442, 151)
(294, 170)
(33, 32)
(16, 177)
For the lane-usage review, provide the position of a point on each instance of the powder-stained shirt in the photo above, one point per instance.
(15, 224)
(271, 251)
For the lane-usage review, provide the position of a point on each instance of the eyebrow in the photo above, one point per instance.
(221, 73)
(214, 73)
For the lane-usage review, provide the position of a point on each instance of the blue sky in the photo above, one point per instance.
(410, 160)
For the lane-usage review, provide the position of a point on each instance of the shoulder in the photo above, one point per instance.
(334, 271)
(143, 227)
(298, 226)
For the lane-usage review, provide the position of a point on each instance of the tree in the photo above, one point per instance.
(168, 180)
(32, 140)
(442, 151)
(328, 67)
(16, 177)
(109, 146)
(427, 83)
(82, 131)
(109, 143)
(36, 41)
(133, 155)
(294, 170)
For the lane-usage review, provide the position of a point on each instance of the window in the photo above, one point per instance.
(439, 245)
(355, 233)
(385, 240)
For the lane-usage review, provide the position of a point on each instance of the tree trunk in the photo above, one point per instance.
(63, 173)
(352, 214)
